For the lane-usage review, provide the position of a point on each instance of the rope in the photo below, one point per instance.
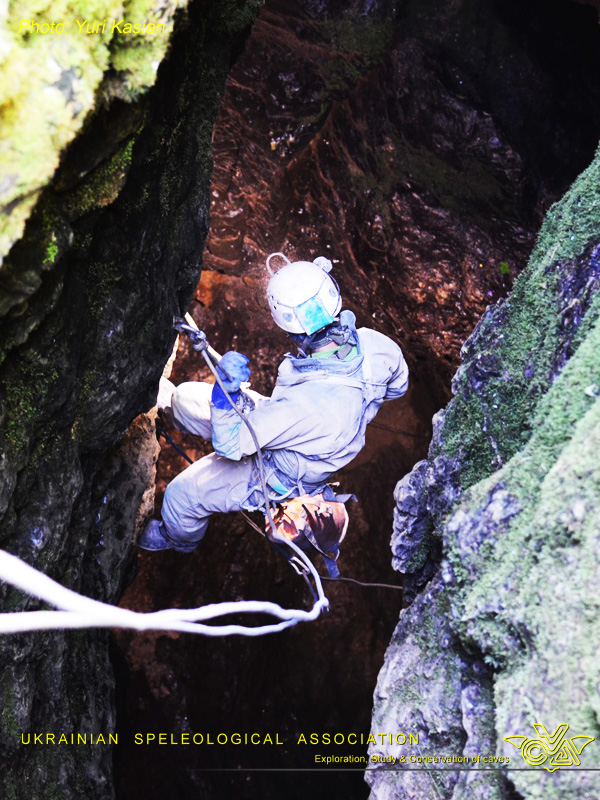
(169, 439)
(362, 583)
(78, 611)
(321, 602)
(74, 610)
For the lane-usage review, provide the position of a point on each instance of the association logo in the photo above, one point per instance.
(551, 751)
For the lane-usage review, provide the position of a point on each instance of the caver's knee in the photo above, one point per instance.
(184, 521)
(190, 408)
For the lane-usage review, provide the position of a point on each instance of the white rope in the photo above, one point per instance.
(304, 560)
(77, 611)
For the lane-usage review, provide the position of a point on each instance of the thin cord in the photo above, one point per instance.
(362, 583)
(77, 611)
(253, 525)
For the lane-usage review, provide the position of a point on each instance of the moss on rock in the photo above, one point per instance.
(53, 59)
(521, 534)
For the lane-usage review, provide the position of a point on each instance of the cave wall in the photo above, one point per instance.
(418, 145)
(110, 252)
(505, 633)
(390, 142)
(435, 181)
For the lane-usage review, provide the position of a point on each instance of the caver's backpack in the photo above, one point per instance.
(315, 522)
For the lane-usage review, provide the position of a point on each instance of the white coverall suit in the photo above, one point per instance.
(312, 425)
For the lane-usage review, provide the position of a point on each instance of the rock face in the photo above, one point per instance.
(110, 253)
(407, 137)
(392, 144)
(505, 633)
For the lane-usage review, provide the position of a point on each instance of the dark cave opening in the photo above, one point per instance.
(326, 146)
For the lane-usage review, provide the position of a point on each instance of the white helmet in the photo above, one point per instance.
(302, 296)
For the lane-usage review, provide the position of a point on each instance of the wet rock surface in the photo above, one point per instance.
(111, 252)
(421, 144)
(520, 540)
(368, 149)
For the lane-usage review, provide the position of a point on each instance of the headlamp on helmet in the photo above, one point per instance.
(302, 295)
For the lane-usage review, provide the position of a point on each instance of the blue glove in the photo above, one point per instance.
(236, 365)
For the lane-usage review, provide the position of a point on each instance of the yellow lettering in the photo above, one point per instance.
(50, 737)
(81, 24)
(414, 739)
(162, 738)
(115, 25)
(314, 738)
(302, 739)
(268, 739)
(138, 738)
(24, 23)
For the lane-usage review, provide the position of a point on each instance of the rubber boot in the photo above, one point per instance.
(153, 537)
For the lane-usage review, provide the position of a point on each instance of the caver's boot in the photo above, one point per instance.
(154, 537)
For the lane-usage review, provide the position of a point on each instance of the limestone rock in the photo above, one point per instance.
(520, 538)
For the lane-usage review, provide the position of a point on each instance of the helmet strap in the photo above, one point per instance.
(337, 333)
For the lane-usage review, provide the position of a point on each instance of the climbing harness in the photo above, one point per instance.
(299, 561)
(73, 610)
(280, 507)
(314, 523)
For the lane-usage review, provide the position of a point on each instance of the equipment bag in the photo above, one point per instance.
(314, 523)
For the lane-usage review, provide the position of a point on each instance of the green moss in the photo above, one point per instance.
(87, 383)
(572, 222)
(49, 81)
(102, 186)
(233, 16)
(9, 720)
(51, 252)
(528, 599)
(470, 189)
(22, 393)
(522, 337)
(20, 413)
